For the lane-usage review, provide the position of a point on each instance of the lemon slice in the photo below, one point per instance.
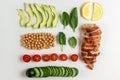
(85, 12)
(97, 11)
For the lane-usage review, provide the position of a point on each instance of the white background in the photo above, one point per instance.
(13, 68)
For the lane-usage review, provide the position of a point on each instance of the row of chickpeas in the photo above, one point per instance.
(38, 40)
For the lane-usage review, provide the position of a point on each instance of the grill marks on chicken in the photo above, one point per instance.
(91, 37)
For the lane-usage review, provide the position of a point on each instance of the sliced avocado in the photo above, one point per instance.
(38, 16)
(43, 15)
(22, 17)
(30, 14)
(49, 15)
(56, 16)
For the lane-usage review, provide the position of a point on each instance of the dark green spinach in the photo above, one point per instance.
(65, 19)
(72, 42)
(62, 39)
(74, 19)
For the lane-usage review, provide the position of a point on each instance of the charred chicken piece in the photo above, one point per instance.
(91, 37)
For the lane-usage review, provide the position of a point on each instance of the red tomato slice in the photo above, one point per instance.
(46, 57)
(74, 57)
(36, 57)
(63, 57)
(26, 58)
(54, 56)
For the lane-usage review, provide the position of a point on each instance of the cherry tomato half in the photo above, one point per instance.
(54, 56)
(74, 57)
(63, 57)
(46, 57)
(26, 58)
(36, 57)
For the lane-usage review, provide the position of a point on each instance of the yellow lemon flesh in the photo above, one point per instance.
(97, 12)
(85, 12)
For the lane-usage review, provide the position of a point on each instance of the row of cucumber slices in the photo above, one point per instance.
(53, 71)
(46, 16)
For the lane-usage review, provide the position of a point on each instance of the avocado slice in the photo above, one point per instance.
(23, 18)
(30, 14)
(43, 15)
(56, 16)
(49, 15)
(38, 16)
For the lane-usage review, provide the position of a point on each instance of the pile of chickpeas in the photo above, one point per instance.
(38, 41)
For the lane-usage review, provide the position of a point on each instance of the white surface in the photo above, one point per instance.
(107, 65)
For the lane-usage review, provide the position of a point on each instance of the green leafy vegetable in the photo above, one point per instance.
(62, 39)
(73, 42)
(74, 19)
(65, 19)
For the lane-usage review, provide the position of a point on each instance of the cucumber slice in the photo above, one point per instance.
(66, 72)
(54, 71)
(41, 72)
(57, 71)
(70, 72)
(30, 72)
(37, 72)
(60, 71)
(47, 71)
(50, 71)
(75, 72)
(63, 71)
(44, 72)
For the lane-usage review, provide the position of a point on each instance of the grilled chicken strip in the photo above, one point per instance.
(91, 37)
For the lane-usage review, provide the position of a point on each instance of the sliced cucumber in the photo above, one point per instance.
(75, 72)
(66, 72)
(70, 72)
(44, 72)
(41, 72)
(57, 71)
(47, 72)
(30, 72)
(63, 71)
(37, 72)
(52, 71)
(60, 71)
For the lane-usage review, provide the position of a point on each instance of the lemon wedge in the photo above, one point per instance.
(97, 12)
(85, 12)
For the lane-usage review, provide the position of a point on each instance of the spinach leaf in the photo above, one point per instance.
(62, 39)
(65, 19)
(74, 19)
(73, 42)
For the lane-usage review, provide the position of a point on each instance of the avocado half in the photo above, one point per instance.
(46, 16)
(22, 17)
(30, 14)
(38, 16)
(49, 16)
(43, 15)
(55, 16)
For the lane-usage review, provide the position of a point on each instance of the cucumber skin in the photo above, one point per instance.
(55, 71)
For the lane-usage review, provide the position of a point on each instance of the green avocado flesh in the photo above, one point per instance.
(22, 17)
(44, 18)
(49, 15)
(56, 16)
(30, 14)
(38, 16)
